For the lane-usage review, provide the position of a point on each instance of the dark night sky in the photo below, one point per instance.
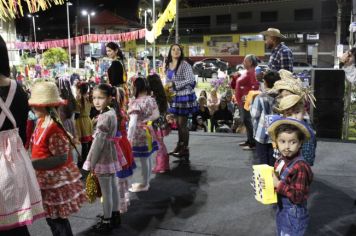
(53, 22)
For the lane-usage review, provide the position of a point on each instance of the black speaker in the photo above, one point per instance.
(329, 90)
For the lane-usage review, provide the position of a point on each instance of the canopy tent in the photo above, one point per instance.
(10, 9)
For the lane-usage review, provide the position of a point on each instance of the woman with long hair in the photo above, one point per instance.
(116, 72)
(181, 80)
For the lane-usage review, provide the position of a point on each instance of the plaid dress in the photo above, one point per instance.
(184, 103)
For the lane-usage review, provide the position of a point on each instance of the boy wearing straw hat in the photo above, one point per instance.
(292, 176)
(281, 56)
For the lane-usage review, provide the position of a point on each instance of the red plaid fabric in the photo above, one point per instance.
(297, 182)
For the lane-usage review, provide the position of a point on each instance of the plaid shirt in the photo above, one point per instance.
(281, 58)
(297, 182)
(184, 79)
(261, 106)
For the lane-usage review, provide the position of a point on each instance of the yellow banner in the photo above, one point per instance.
(168, 15)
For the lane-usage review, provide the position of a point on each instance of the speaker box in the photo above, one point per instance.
(329, 89)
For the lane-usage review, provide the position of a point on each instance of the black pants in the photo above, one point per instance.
(60, 227)
(85, 151)
(265, 153)
(20, 231)
(246, 119)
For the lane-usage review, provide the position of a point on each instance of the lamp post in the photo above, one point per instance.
(69, 46)
(146, 11)
(86, 13)
(34, 28)
(154, 40)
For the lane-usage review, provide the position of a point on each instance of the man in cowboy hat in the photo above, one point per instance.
(281, 56)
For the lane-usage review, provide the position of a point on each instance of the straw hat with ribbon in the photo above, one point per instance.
(278, 120)
(45, 94)
(294, 85)
(273, 32)
(288, 102)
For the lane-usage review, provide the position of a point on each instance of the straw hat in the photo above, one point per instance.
(288, 82)
(288, 102)
(273, 32)
(278, 120)
(45, 94)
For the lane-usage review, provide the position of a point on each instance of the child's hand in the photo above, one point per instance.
(276, 181)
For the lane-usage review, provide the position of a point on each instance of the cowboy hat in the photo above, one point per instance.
(45, 94)
(273, 33)
(278, 120)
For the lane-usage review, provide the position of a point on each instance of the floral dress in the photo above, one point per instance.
(62, 190)
(144, 142)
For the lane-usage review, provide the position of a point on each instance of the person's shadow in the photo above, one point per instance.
(170, 194)
(332, 212)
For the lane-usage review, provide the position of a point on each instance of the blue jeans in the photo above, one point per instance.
(291, 219)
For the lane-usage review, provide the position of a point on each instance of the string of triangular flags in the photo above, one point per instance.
(10, 9)
(92, 38)
(157, 27)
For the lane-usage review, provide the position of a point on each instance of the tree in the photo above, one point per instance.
(54, 55)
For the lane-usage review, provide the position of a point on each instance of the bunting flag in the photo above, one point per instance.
(10, 9)
(168, 15)
(92, 38)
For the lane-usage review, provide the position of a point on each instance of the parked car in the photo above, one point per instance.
(209, 67)
(301, 67)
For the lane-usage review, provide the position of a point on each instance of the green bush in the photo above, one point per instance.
(53, 56)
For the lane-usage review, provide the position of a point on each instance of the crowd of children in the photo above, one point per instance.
(74, 125)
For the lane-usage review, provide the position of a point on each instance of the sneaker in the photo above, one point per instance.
(243, 144)
(249, 148)
(135, 188)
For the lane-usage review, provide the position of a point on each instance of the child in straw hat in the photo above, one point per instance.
(292, 176)
(58, 177)
(292, 106)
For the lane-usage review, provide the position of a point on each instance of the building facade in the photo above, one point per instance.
(8, 33)
(309, 25)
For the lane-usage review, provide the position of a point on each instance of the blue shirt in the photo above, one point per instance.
(281, 58)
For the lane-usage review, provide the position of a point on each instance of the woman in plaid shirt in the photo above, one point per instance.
(181, 80)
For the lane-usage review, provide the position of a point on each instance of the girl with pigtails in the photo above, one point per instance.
(103, 157)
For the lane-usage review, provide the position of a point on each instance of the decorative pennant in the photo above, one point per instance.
(92, 38)
(10, 9)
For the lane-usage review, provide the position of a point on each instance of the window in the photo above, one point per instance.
(223, 19)
(303, 14)
(244, 15)
(197, 24)
(269, 16)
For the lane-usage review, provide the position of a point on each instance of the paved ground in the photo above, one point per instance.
(212, 195)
